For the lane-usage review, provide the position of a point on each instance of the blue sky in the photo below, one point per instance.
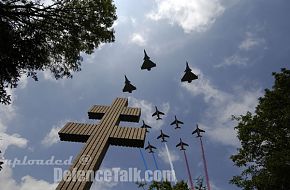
(232, 45)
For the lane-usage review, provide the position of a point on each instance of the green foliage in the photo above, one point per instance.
(35, 36)
(265, 140)
(165, 185)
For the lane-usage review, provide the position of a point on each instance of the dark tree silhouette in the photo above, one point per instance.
(35, 36)
(165, 185)
(265, 140)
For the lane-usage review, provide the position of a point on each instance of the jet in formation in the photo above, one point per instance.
(157, 113)
(146, 126)
(150, 147)
(182, 145)
(163, 136)
(198, 131)
(147, 64)
(188, 76)
(176, 122)
(128, 86)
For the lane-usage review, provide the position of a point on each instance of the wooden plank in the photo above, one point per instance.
(71, 128)
(139, 133)
(130, 129)
(135, 135)
(65, 128)
(123, 133)
(143, 134)
(90, 129)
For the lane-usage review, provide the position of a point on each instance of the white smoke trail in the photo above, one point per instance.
(171, 164)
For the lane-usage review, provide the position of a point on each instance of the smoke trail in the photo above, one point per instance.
(204, 164)
(188, 170)
(144, 161)
(171, 164)
(155, 162)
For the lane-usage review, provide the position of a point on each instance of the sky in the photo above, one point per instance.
(232, 45)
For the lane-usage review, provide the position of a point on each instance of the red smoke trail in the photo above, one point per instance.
(189, 174)
(204, 164)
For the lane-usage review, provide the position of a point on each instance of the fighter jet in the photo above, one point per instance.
(181, 144)
(147, 64)
(188, 76)
(163, 136)
(145, 126)
(157, 113)
(198, 131)
(150, 147)
(128, 86)
(176, 122)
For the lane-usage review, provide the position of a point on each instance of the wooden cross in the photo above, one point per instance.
(98, 137)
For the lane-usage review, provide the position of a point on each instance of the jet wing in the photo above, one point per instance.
(153, 147)
(155, 113)
(189, 76)
(173, 123)
(195, 131)
(180, 122)
(184, 144)
(129, 88)
(165, 135)
(201, 130)
(159, 136)
(179, 144)
(161, 113)
(148, 64)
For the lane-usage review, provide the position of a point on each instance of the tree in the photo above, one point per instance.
(35, 36)
(165, 185)
(265, 140)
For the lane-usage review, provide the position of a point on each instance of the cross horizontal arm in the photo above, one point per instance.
(97, 111)
(128, 136)
(76, 132)
(130, 114)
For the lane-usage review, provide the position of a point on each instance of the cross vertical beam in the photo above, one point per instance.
(98, 137)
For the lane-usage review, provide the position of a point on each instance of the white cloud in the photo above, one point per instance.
(47, 75)
(97, 185)
(26, 183)
(250, 42)
(234, 60)
(197, 15)
(9, 140)
(221, 106)
(163, 155)
(138, 39)
(104, 185)
(8, 113)
(148, 109)
(52, 137)
(23, 81)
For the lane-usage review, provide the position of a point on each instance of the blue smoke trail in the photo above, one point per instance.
(143, 158)
(155, 162)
